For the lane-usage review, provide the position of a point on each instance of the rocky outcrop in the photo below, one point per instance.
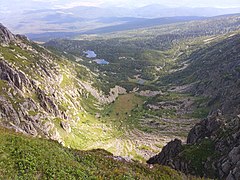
(17, 113)
(168, 153)
(16, 78)
(224, 160)
(27, 94)
(229, 167)
(228, 145)
(47, 103)
(204, 129)
(102, 98)
(6, 36)
(66, 126)
(17, 118)
(149, 93)
(169, 156)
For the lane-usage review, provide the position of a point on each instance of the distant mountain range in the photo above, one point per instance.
(90, 19)
(150, 11)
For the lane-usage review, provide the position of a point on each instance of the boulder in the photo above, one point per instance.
(168, 153)
(66, 126)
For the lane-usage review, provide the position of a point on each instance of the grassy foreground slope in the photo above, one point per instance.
(24, 157)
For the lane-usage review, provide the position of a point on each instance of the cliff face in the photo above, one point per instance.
(26, 99)
(212, 148)
(6, 36)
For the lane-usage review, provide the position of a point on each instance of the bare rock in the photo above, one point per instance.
(6, 36)
(16, 78)
(203, 129)
(56, 137)
(66, 126)
(168, 153)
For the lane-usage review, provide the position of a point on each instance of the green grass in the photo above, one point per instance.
(146, 148)
(125, 103)
(121, 110)
(200, 113)
(32, 113)
(24, 157)
(66, 82)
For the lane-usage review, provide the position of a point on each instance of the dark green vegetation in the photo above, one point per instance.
(197, 154)
(24, 157)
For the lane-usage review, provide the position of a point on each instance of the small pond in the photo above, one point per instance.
(90, 54)
(101, 61)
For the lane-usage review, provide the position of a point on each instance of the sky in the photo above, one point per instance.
(6, 5)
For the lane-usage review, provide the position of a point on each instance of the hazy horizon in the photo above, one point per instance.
(7, 6)
(39, 16)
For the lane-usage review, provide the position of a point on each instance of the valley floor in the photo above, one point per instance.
(125, 128)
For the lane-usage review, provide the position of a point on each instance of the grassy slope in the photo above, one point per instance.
(24, 157)
(121, 109)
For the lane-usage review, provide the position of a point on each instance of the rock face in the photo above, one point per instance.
(169, 156)
(169, 152)
(223, 163)
(66, 126)
(6, 36)
(205, 129)
(231, 165)
(16, 78)
(228, 145)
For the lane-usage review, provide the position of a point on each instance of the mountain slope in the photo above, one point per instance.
(29, 74)
(45, 95)
(212, 148)
(214, 70)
